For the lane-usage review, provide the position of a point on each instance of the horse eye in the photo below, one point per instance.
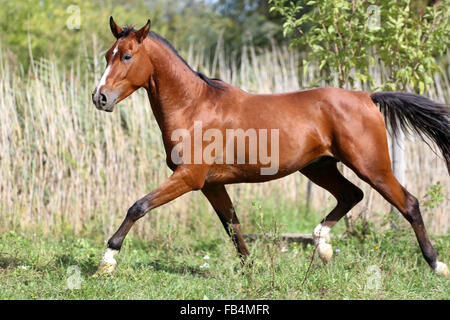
(127, 57)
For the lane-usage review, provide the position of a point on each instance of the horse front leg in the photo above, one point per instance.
(220, 200)
(182, 181)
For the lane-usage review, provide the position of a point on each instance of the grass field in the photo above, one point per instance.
(192, 265)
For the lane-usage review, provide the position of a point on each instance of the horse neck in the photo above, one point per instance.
(173, 88)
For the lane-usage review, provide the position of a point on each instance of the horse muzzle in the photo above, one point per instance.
(104, 99)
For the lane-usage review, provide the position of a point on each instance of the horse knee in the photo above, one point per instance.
(358, 195)
(350, 199)
(137, 210)
(412, 211)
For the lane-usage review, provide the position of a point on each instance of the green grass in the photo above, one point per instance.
(33, 267)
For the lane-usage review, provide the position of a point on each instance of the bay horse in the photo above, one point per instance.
(316, 129)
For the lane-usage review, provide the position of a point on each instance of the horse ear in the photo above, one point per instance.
(115, 29)
(142, 33)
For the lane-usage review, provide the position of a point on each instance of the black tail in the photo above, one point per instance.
(412, 112)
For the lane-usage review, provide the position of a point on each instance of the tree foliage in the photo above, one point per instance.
(41, 26)
(345, 37)
(409, 42)
(249, 21)
(337, 33)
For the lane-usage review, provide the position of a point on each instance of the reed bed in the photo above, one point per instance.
(66, 167)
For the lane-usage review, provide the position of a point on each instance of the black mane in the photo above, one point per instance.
(212, 82)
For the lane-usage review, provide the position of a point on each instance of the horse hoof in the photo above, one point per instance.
(106, 268)
(321, 236)
(441, 269)
(325, 252)
(108, 263)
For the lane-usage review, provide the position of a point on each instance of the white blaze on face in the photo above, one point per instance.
(107, 71)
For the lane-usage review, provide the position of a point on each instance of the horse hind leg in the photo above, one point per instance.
(388, 186)
(373, 166)
(325, 174)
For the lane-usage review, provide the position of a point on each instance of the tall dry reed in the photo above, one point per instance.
(66, 167)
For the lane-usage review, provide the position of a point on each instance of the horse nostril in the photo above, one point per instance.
(103, 99)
